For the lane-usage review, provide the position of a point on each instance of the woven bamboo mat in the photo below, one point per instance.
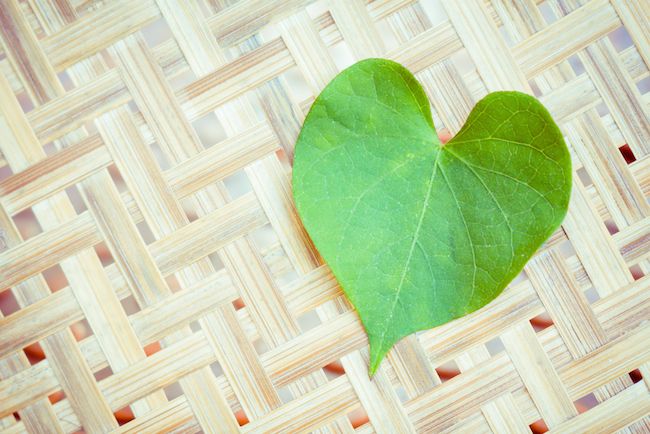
(155, 277)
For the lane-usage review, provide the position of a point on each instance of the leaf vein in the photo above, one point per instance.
(416, 234)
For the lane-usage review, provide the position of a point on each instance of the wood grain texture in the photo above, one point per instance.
(207, 307)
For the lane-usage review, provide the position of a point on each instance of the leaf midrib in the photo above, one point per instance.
(425, 205)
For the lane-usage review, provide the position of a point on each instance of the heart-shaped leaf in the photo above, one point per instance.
(417, 233)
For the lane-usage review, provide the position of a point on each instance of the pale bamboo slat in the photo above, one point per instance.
(208, 307)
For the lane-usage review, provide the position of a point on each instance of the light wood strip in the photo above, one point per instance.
(239, 21)
(480, 37)
(308, 50)
(53, 120)
(29, 324)
(540, 378)
(222, 160)
(312, 410)
(566, 36)
(21, 46)
(636, 18)
(272, 186)
(53, 174)
(605, 267)
(619, 93)
(614, 414)
(98, 30)
(353, 21)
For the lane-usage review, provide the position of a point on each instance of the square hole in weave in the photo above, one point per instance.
(591, 295)
(156, 33)
(447, 371)
(358, 417)
(76, 200)
(576, 64)
(400, 391)
(130, 305)
(242, 418)
(584, 177)
(104, 254)
(152, 348)
(602, 110)
(173, 391)
(611, 226)
(260, 346)
(5, 172)
(25, 102)
(116, 176)
(145, 232)
(209, 130)
(309, 321)
(585, 403)
(172, 283)
(103, 373)
(66, 81)
(533, 85)
(195, 326)
(636, 376)
(627, 153)
(50, 149)
(27, 224)
(237, 184)
(124, 415)
(285, 394)
(547, 12)
(159, 155)
(216, 369)
(538, 427)
(55, 397)
(541, 322)
(55, 278)
(8, 302)
(81, 330)
(238, 303)
(34, 353)
(495, 346)
(565, 248)
(105, 56)
(190, 206)
(620, 39)
(334, 370)
(643, 85)
(134, 109)
(90, 127)
(216, 261)
(637, 272)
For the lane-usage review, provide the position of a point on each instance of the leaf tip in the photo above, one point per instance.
(372, 368)
(376, 356)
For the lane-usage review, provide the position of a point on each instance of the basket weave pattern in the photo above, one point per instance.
(224, 279)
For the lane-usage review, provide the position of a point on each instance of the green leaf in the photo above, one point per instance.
(417, 233)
